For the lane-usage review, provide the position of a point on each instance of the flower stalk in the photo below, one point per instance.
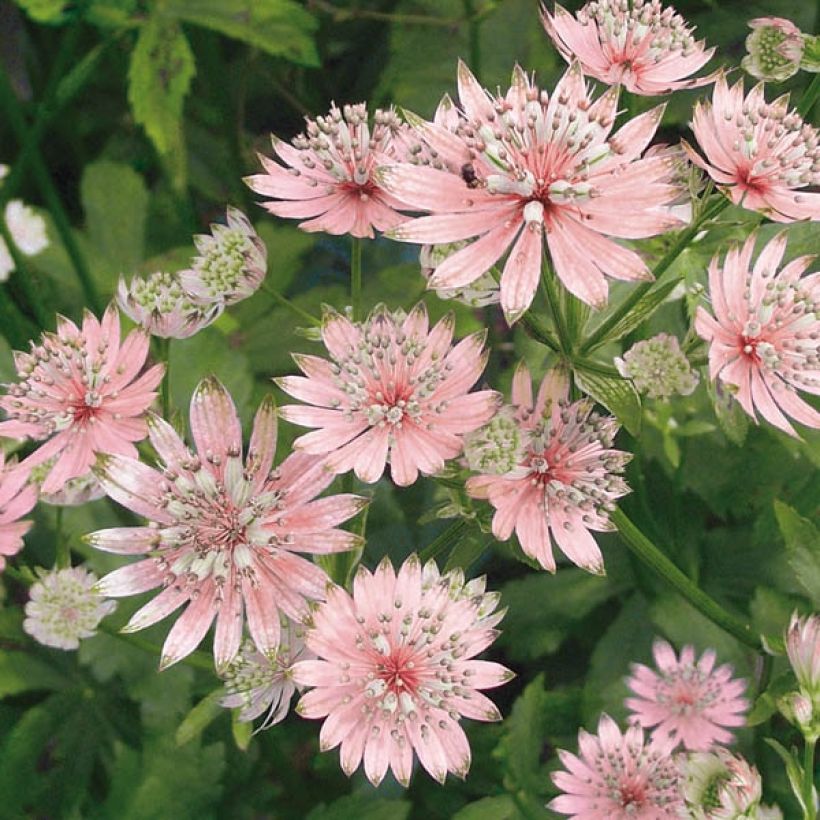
(356, 277)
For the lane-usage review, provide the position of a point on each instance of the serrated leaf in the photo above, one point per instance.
(645, 307)
(20, 672)
(279, 27)
(803, 544)
(159, 76)
(616, 394)
(360, 807)
(199, 718)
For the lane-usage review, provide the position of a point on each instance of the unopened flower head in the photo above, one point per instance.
(224, 532)
(688, 701)
(74, 493)
(396, 670)
(761, 152)
(803, 648)
(479, 293)
(231, 265)
(658, 368)
(395, 390)
(764, 337)
(27, 229)
(64, 607)
(257, 683)
(566, 481)
(720, 786)
(528, 168)
(497, 447)
(617, 776)
(17, 497)
(775, 48)
(158, 303)
(326, 177)
(80, 393)
(640, 44)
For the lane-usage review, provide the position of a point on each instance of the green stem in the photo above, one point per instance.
(356, 276)
(62, 549)
(539, 333)
(641, 546)
(165, 386)
(199, 660)
(473, 35)
(548, 285)
(809, 98)
(808, 780)
(599, 335)
(445, 539)
(295, 309)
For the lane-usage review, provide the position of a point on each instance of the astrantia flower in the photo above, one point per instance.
(618, 777)
(327, 177)
(395, 390)
(64, 608)
(775, 49)
(479, 293)
(803, 648)
(658, 367)
(720, 786)
(565, 481)
(762, 152)
(765, 334)
(27, 229)
(74, 493)
(687, 701)
(396, 670)
(640, 44)
(16, 499)
(223, 533)
(79, 389)
(231, 265)
(158, 303)
(526, 167)
(257, 683)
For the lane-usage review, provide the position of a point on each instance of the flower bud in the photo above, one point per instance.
(775, 49)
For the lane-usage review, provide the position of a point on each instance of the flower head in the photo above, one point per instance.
(803, 648)
(231, 265)
(395, 389)
(327, 176)
(224, 532)
(80, 393)
(27, 229)
(618, 777)
(74, 493)
(256, 683)
(689, 702)
(158, 303)
(775, 48)
(720, 786)
(658, 367)
(640, 44)
(17, 497)
(764, 336)
(762, 152)
(64, 607)
(396, 669)
(479, 293)
(566, 479)
(527, 168)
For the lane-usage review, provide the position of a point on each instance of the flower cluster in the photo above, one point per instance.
(775, 48)
(658, 368)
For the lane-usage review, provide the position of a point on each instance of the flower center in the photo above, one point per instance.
(632, 793)
(86, 408)
(399, 672)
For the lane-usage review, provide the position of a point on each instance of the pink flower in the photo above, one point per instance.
(688, 702)
(761, 151)
(396, 669)
(775, 49)
(79, 389)
(643, 46)
(526, 166)
(564, 481)
(394, 390)
(16, 499)
(765, 335)
(803, 649)
(224, 533)
(618, 777)
(327, 174)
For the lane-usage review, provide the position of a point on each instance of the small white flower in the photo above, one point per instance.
(658, 367)
(27, 228)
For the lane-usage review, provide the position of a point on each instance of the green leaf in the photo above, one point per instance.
(616, 394)
(278, 27)
(490, 808)
(766, 704)
(793, 769)
(159, 76)
(44, 11)
(115, 201)
(803, 544)
(359, 807)
(771, 611)
(200, 717)
(242, 731)
(21, 672)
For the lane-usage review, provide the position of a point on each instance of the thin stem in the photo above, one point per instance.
(442, 541)
(599, 335)
(539, 333)
(356, 276)
(165, 386)
(554, 302)
(199, 660)
(809, 98)
(295, 309)
(641, 546)
(63, 551)
(808, 780)
(473, 36)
